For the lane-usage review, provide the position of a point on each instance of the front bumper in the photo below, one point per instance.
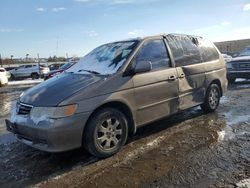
(50, 135)
(238, 74)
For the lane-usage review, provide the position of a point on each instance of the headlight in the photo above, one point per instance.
(53, 112)
(229, 65)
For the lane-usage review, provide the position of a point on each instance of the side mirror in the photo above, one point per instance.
(143, 66)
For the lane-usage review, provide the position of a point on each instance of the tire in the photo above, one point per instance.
(34, 76)
(106, 133)
(231, 80)
(212, 99)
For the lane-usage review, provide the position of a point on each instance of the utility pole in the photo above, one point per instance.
(67, 57)
(11, 59)
(38, 60)
(1, 61)
(27, 55)
(57, 47)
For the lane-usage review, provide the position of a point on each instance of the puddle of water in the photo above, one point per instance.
(233, 119)
(224, 99)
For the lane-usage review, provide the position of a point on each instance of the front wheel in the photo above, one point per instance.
(105, 133)
(212, 99)
(34, 76)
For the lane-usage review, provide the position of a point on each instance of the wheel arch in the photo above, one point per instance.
(121, 106)
(217, 81)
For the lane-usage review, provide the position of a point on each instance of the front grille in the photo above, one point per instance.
(23, 109)
(241, 66)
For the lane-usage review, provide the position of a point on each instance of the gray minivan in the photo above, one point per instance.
(117, 88)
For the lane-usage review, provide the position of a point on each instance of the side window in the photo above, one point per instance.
(154, 51)
(21, 67)
(28, 66)
(185, 50)
(208, 51)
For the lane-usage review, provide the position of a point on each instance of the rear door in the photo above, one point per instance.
(26, 71)
(156, 92)
(190, 70)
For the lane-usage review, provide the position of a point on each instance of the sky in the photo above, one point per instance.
(75, 27)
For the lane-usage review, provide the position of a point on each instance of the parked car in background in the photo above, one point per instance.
(10, 68)
(117, 88)
(239, 67)
(60, 70)
(227, 57)
(33, 71)
(55, 66)
(3, 77)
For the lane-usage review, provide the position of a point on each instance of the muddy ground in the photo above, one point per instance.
(190, 149)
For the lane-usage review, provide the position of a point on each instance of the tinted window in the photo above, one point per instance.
(184, 49)
(245, 52)
(28, 66)
(208, 51)
(155, 52)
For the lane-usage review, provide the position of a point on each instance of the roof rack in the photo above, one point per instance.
(177, 34)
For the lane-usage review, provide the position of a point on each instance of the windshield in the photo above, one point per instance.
(66, 66)
(245, 52)
(105, 59)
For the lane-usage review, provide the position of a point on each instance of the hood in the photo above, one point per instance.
(241, 59)
(57, 89)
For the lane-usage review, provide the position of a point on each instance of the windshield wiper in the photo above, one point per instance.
(90, 71)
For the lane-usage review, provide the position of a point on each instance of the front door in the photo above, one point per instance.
(156, 92)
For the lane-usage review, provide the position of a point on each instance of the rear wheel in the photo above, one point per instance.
(212, 99)
(34, 76)
(106, 133)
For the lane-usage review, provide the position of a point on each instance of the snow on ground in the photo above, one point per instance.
(24, 82)
(244, 183)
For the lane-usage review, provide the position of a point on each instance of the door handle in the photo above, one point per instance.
(172, 78)
(182, 75)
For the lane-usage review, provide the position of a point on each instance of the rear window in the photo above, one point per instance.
(208, 51)
(2, 70)
(185, 50)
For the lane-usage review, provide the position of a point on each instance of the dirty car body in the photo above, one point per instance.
(117, 88)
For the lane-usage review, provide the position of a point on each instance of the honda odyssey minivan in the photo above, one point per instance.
(117, 88)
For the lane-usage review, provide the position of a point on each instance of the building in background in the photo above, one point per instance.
(232, 47)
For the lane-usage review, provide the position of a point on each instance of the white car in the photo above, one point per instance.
(33, 71)
(3, 77)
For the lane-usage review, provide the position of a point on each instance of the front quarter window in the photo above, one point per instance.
(155, 52)
(106, 59)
